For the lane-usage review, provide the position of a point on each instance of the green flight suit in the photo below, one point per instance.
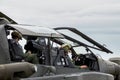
(32, 58)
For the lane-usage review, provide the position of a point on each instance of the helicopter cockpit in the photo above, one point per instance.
(82, 53)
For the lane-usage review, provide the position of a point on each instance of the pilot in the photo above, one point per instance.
(66, 48)
(37, 46)
(67, 51)
(15, 48)
(17, 52)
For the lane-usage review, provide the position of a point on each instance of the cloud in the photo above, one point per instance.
(61, 12)
(107, 13)
(79, 13)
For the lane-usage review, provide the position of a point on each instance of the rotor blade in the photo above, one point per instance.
(8, 18)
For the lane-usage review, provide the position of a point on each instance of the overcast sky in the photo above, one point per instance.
(100, 19)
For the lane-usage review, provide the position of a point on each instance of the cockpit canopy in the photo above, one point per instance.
(27, 30)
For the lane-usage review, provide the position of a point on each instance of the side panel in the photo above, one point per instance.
(77, 76)
(43, 70)
(4, 49)
(109, 67)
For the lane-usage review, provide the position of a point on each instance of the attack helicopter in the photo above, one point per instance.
(49, 67)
